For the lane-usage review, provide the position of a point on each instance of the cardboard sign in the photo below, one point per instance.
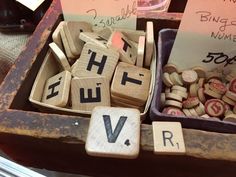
(206, 36)
(102, 13)
(31, 4)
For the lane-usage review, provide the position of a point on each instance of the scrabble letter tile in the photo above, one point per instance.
(141, 51)
(60, 56)
(168, 138)
(57, 89)
(96, 61)
(56, 36)
(72, 31)
(128, 52)
(86, 93)
(114, 132)
(131, 82)
(93, 38)
(149, 43)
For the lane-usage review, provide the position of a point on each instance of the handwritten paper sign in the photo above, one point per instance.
(207, 35)
(31, 4)
(103, 13)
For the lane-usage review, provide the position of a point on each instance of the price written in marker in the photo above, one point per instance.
(102, 13)
(206, 36)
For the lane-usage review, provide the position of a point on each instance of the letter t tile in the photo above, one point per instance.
(114, 132)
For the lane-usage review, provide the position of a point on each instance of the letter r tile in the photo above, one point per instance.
(168, 138)
(114, 132)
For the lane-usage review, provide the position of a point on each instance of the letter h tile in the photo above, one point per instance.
(86, 93)
(57, 89)
(96, 61)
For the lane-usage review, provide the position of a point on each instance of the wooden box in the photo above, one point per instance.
(56, 142)
(166, 41)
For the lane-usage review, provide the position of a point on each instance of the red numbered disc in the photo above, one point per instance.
(232, 86)
(173, 111)
(215, 107)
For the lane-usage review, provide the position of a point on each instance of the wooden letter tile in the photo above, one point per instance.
(96, 61)
(131, 82)
(93, 38)
(87, 93)
(105, 33)
(114, 132)
(57, 89)
(141, 51)
(56, 36)
(65, 43)
(72, 31)
(128, 52)
(168, 138)
(60, 56)
(149, 44)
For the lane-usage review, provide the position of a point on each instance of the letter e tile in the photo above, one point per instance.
(168, 138)
(114, 132)
(87, 93)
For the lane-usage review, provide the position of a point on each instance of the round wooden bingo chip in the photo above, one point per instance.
(215, 107)
(180, 93)
(232, 86)
(228, 113)
(170, 68)
(201, 95)
(212, 94)
(167, 90)
(173, 111)
(189, 76)
(173, 103)
(207, 86)
(179, 88)
(219, 88)
(227, 107)
(191, 102)
(193, 89)
(230, 118)
(229, 78)
(201, 72)
(193, 112)
(228, 100)
(187, 112)
(163, 99)
(200, 109)
(176, 79)
(166, 80)
(214, 75)
(231, 95)
(201, 82)
(173, 96)
(205, 116)
(215, 81)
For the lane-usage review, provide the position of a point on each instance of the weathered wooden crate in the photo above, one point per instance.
(54, 141)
